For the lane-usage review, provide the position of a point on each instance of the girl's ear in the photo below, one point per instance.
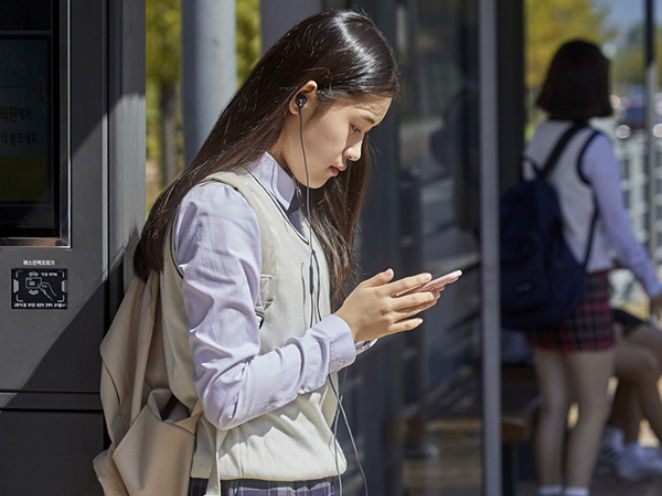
(309, 92)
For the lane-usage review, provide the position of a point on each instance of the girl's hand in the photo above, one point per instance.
(374, 310)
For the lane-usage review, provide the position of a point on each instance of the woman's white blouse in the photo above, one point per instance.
(218, 251)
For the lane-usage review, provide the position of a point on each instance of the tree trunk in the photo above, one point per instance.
(168, 110)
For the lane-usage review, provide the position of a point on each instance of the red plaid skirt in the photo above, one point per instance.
(589, 328)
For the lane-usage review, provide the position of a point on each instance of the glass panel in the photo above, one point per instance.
(29, 163)
(439, 155)
(625, 47)
(618, 27)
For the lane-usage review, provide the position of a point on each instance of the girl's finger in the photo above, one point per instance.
(407, 283)
(405, 325)
(380, 279)
(411, 311)
(413, 300)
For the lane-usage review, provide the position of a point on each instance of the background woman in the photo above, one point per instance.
(576, 359)
(261, 261)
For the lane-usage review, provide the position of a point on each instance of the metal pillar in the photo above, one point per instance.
(209, 67)
(278, 16)
(511, 91)
(489, 228)
(126, 141)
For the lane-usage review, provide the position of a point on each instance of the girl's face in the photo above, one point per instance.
(331, 136)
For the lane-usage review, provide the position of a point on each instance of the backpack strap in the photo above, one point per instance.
(596, 213)
(591, 231)
(534, 166)
(558, 149)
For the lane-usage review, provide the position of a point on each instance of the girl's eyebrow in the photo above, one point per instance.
(369, 115)
(366, 115)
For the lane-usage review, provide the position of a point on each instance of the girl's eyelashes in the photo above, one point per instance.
(356, 129)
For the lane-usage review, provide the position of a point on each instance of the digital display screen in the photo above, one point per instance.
(24, 121)
(29, 163)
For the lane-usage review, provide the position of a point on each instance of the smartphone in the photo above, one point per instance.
(436, 284)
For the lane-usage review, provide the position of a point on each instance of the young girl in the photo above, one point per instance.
(576, 360)
(254, 245)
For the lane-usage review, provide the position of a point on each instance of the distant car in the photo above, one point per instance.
(631, 117)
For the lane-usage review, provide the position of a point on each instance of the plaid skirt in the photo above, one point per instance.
(250, 487)
(589, 328)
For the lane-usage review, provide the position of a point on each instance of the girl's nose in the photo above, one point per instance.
(353, 153)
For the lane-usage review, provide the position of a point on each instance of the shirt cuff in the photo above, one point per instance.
(362, 346)
(342, 350)
(652, 286)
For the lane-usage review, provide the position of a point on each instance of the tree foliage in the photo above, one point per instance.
(249, 40)
(164, 47)
(550, 23)
(163, 63)
(629, 62)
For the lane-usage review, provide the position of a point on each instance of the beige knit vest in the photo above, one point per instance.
(294, 442)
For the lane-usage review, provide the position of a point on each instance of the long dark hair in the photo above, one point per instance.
(577, 83)
(347, 56)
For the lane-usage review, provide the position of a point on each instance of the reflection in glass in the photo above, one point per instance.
(439, 159)
(627, 127)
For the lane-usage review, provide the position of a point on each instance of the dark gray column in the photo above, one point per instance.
(278, 16)
(511, 90)
(489, 230)
(126, 141)
(209, 67)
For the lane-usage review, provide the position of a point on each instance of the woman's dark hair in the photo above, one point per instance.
(348, 57)
(577, 83)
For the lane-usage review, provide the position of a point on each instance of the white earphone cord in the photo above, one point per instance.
(312, 291)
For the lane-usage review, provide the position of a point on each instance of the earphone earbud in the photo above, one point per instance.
(300, 100)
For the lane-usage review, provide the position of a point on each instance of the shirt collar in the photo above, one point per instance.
(275, 179)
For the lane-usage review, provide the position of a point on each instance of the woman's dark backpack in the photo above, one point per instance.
(541, 281)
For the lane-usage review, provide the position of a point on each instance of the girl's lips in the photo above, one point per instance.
(336, 169)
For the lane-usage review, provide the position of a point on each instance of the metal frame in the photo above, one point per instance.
(489, 211)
